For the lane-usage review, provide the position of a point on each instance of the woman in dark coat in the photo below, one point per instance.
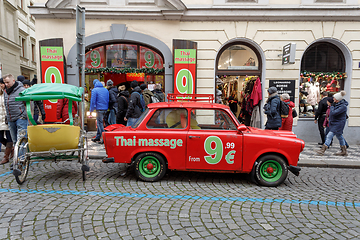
(123, 103)
(337, 120)
(272, 110)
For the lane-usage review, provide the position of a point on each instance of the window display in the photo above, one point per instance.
(121, 55)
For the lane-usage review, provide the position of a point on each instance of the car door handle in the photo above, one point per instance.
(194, 136)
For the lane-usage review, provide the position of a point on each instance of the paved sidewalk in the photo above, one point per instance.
(308, 158)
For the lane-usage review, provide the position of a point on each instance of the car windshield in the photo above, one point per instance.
(142, 116)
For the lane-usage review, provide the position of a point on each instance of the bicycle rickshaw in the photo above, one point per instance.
(57, 142)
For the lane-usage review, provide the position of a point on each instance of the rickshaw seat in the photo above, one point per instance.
(53, 137)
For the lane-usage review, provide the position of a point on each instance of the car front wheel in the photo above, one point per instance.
(271, 171)
(150, 166)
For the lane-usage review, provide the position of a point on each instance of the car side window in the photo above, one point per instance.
(169, 118)
(212, 119)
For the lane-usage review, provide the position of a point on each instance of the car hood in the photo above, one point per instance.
(280, 133)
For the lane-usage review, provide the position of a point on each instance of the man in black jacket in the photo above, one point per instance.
(113, 93)
(134, 109)
(320, 115)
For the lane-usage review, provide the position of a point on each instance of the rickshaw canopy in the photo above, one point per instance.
(45, 91)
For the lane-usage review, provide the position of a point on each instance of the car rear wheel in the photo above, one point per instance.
(271, 171)
(150, 166)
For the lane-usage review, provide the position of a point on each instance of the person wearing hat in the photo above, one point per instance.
(337, 120)
(272, 110)
(134, 108)
(113, 105)
(100, 103)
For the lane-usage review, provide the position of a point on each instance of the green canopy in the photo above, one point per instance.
(48, 91)
(45, 91)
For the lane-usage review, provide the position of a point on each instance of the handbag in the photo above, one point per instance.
(294, 113)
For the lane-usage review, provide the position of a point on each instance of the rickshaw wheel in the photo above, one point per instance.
(22, 163)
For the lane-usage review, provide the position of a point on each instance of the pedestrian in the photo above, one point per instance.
(233, 104)
(337, 120)
(5, 137)
(123, 103)
(62, 110)
(135, 108)
(36, 106)
(147, 94)
(158, 93)
(20, 78)
(113, 103)
(15, 110)
(272, 110)
(320, 116)
(99, 102)
(287, 123)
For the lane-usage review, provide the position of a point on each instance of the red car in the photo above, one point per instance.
(201, 136)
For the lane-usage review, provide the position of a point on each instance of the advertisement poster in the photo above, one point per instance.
(95, 58)
(52, 71)
(150, 58)
(184, 71)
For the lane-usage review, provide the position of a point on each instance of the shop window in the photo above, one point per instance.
(121, 56)
(322, 70)
(238, 57)
(33, 52)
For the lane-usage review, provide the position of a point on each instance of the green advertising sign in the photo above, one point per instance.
(185, 56)
(53, 54)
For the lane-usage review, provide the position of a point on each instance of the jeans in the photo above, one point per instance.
(16, 127)
(131, 121)
(100, 123)
(330, 136)
(112, 117)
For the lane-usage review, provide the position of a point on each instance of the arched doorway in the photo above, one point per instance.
(238, 79)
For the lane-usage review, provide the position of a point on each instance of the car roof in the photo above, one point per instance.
(187, 105)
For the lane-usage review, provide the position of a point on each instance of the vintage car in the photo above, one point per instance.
(190, 135)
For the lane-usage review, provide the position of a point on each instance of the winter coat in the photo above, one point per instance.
(321, 108)
(14, 109)
(159, 94)
(39, 107)
(272, 110)
(147, 96)
(3, 123)
(122, 103)
(99, 97)
(113, 94)
(326, 121)
(287, 123)
(62, 110)
(337, 117)
(134, 108)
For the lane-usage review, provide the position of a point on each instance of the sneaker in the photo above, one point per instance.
(100, 142)
(95, 140)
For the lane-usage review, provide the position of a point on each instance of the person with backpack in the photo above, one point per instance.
(113, 103)
(272, 110)
(287, 122)
(148, 95)
(122, 103)
(158, 93)
(136, 104)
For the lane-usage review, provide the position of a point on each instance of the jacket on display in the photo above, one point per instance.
(272, 110)
(313, 96)
(337, 117)
(255, 117)
(99, 97)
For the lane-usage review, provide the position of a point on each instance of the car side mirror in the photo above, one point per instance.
(242, 128)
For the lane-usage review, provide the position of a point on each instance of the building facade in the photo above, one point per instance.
(17, 38)
(237, 42)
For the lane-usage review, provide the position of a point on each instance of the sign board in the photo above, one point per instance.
(284, 86)
(52, 71)
(150, 58)
(95, 58)
(288, 56)
(185, 65)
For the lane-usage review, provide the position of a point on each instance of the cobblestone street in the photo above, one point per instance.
(54, 203)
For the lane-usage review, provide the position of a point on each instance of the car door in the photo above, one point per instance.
(213, 142)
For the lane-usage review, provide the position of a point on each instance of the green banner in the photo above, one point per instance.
(53, 54)
(185, 56)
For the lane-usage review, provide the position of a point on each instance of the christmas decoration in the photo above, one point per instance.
(125, 70)
(324, 75)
